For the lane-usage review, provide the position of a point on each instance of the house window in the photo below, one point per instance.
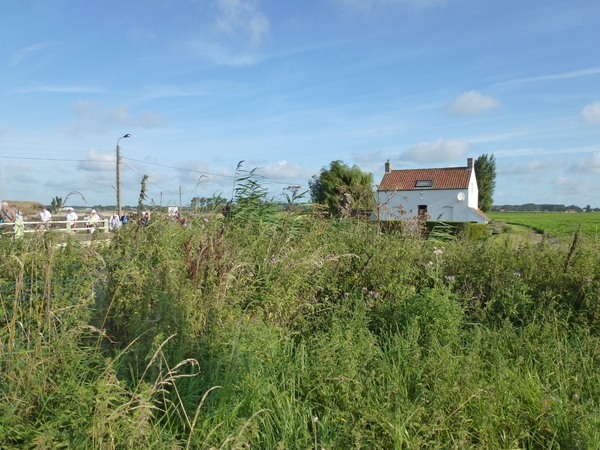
(424, 183)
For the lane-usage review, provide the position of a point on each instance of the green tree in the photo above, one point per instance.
(485, 171)
(332, 183)
(56, 204)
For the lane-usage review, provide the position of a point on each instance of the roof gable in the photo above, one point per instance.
(413, 179)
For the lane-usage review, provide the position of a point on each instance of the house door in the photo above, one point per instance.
(448, 213)
(422, 214)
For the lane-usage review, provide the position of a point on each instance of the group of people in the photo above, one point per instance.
(91, 220)
(13, 217)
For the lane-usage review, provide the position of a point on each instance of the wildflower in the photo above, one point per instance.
(450, 278)
(346, 294)
(205, 220)
(430, 263)
(438, 251)
(517, 274)
(364, 289)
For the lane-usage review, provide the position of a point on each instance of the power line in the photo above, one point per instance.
(136, 160)
(148, 180)
(179, 168)
(197, 171)
(54, 159)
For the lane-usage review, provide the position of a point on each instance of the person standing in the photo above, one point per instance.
(115, 222)
(18, 212)
(19, 227)
(7, 215)
(45, 217)
(72, 218)
(92, 221)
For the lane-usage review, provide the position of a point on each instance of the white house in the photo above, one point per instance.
(448, 194)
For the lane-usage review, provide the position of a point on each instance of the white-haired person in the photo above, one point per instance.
(93, 220)
(7, 216)
(115, 222)
(72, 218)
(45, 218)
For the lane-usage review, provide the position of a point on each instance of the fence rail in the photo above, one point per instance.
(67, 226)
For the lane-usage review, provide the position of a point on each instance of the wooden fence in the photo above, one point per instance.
(57, 225)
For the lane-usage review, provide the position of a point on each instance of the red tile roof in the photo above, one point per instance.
(406, 180)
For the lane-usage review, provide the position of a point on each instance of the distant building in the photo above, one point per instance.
(448, 194)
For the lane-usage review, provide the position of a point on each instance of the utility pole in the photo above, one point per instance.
(179, 198)
(119, 210)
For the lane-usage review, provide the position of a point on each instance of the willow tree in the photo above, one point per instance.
(335, 182)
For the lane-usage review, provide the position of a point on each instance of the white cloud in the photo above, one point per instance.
(285, 171)
(369, 157)
(531, 167)
(235, 37)
(374, 5)
(224, 55)
(587, 165)
(564, 186)
(591, 113)
(439, 151)
(62, 89)
(558, 76)
(95, 117)
(242, 18)
(472, 103)
(120, 115)
(29, 52)
(149, 119)
(165, 90)
(545, 151)
(98, 162)
(20, 168)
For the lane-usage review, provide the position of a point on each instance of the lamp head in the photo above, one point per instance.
(126, 136)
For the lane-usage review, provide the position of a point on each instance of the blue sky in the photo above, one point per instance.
(289, 86)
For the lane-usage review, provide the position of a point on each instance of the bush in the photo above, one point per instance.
(473, 231)
(273, 330)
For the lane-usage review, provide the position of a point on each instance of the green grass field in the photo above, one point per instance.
(276, 331)
(554, 224)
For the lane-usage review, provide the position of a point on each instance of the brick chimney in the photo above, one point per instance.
(388, 166)
(469, 163)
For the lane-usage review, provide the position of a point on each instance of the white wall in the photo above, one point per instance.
(435, 199)
(473, 197)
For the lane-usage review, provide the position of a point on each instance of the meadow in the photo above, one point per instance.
(553, 224)
(283, 331)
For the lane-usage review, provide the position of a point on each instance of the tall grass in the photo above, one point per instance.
(264, 329)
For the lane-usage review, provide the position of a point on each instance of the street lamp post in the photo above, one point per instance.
(119, 174)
